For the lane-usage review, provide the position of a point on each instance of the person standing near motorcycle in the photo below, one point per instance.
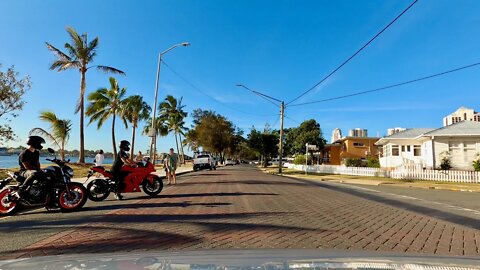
(29, 162)
(171, 166)
(99, 158)
(121, 160)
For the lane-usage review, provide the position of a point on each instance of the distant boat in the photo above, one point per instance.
(4, 152)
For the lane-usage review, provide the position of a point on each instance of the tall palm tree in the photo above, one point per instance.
(79, 55)
(173, 112)
(160, 126)
(135, 110)
(104, 103)
(59, 130)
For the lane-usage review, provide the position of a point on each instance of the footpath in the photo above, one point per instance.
(377, 181)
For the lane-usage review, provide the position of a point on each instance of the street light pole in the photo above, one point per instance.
(282, 108)
(153, 133)
(280, 150)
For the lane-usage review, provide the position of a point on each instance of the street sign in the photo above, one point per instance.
(311, 147)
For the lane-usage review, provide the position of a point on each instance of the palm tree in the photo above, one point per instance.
(135, 110)
(80, 54)
(59, 130)
(160, 126)
(172, 111)
(105, 103)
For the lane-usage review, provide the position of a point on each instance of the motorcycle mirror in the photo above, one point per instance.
(50, 150)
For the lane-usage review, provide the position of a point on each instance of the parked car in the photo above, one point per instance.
(230, 162)
(205, 161)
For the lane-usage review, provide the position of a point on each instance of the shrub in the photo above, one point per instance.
(300, 160)
(354, 162)
(373, 162)
(476, 163)
(445, 161)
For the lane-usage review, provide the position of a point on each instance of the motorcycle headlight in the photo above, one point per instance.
(69, 172)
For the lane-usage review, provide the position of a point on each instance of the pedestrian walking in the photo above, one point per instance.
(171, 162)
(139, 157)
(99, 158)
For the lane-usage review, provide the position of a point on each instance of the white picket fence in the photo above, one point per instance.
(432, 175)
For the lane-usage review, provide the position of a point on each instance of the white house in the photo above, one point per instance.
(423, 147)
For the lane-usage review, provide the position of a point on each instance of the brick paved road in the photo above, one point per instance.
(241, 207)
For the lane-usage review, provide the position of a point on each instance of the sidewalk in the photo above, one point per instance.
(376, 181)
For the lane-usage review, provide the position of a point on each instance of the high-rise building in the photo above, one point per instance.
(336, 135)
(462, 114)
(392, 131)
(358, 132)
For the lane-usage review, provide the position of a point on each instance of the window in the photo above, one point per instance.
(395, 150)
(357, 144)
(455, 145)
(469, 145)
(406, 148)
(417, 150)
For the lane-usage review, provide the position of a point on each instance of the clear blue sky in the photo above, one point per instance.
(279, 47)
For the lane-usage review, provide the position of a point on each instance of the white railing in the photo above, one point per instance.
(436, 175)
(332, 169)
(401, 173)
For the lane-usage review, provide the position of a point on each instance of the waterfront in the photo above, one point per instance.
(12, 161)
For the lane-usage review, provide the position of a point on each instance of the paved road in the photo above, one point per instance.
(241, 207)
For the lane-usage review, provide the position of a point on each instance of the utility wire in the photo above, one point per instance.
(388, 86)
(355, 54)
(292, 119)
(204, 93)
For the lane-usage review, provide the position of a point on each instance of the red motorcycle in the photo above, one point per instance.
(99, 188)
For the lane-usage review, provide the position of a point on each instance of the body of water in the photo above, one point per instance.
(7, 162)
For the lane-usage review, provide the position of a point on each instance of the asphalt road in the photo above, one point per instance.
(242, 207)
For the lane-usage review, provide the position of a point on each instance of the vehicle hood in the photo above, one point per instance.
(237, 259)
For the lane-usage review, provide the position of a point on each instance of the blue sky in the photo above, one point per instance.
(280, 48)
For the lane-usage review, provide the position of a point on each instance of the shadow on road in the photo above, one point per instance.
(219, 194)
(244, 182)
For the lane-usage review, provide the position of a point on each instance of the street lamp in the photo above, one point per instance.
(153, 133)
(282, 108)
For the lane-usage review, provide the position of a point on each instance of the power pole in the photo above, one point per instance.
(280, 150)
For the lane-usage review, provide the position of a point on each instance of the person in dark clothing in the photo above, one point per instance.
(29, 162)
(121, 160)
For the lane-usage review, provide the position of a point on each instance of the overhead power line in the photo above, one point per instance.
(355, 54)
(204, 93)
(388, 86)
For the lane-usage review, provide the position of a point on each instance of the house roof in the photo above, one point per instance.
(464, 128)
(410, 133)
(355, 138)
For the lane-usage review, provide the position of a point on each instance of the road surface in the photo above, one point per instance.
(242, 207)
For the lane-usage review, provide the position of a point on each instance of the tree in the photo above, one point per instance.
(104, 103)
(80, 54)
(172, 111)
(135, 110)
(59, 130)
(12, 89)
(160, 126)
(212, 132)
(266, 143)
(308, 132)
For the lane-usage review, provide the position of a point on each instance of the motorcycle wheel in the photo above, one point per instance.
(154, 188)
(97, 192)
(76, 200)
(7, 207)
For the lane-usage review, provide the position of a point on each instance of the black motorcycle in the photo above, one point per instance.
(52, 190)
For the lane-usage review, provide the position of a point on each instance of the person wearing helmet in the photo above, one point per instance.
(29, 162)
(121, 160)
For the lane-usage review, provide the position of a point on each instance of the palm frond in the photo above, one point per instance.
(60, 55)
(76, 38)
(43, 132)
(108, 69)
